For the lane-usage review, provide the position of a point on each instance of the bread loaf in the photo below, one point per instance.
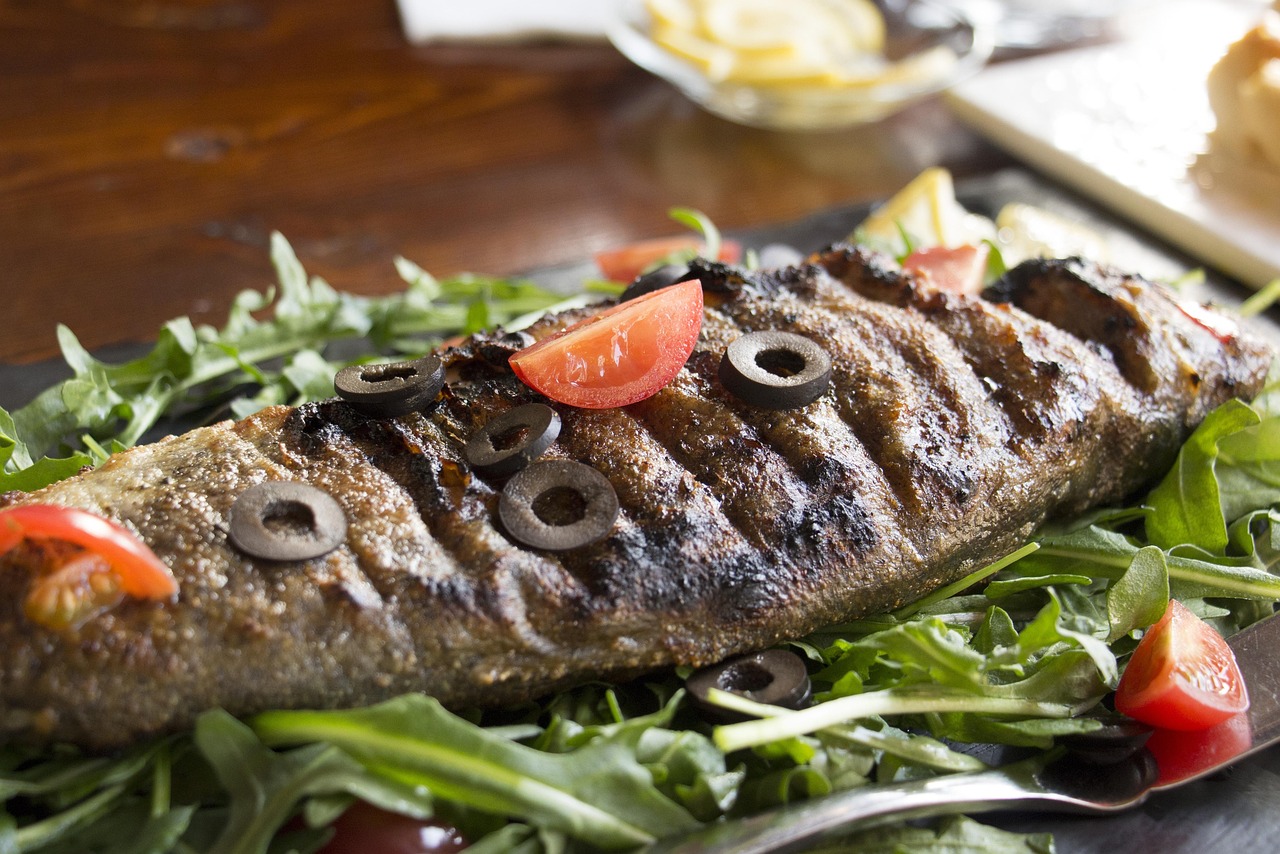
(1244, 92)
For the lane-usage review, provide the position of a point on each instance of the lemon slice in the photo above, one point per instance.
(754, 25)
(816, 28)
(675, 14)
(920, 68)
(1026, 231)
(784, 71)
(866, 24)
(927, 210)
(770, 42)
(714, 61)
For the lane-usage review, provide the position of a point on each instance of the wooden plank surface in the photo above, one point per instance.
(148, 148)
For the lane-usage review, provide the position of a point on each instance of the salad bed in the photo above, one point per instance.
(1021, 653)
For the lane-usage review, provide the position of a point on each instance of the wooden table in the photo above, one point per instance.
(148, 148)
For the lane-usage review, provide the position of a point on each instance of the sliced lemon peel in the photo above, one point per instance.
(792, 44)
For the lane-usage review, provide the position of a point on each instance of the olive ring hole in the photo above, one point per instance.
(558, 505)
(781, 363)
(775, 370)
(512, 440)
(283, 520)
(399, 372)
(514, 437)
(777, 677)
(746, 677)
(290, 519)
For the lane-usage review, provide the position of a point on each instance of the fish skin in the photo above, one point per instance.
(955, 425)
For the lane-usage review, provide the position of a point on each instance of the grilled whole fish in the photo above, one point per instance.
(953, 427)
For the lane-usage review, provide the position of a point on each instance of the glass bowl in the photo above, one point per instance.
(929, 46)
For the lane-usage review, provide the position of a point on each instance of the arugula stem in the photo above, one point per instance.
(90, 809)
(969, 580)
(1242, 582)
(777, 723)
(161, 782)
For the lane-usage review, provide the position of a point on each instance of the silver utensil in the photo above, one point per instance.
(1051, 783)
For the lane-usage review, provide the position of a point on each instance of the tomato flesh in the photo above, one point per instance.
(960, 269)
(1182, 675)
(113, 563)
(627, 262)
(364, 828)
(1182, 755)
(619, 356)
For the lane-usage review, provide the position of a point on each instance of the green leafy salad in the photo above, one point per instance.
(1018, 654)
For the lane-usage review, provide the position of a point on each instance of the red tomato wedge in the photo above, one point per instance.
(114, 562)
(1181, 754)
(364, 829)
(1182, 675)
(961, 269)
(619, 356)
(627, 262)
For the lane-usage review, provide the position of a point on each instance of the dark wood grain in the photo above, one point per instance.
(148, 148)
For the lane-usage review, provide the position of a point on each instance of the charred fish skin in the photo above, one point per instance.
(954, 426)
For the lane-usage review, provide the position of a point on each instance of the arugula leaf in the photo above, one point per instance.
(1186, 506)
(599, 793)
(193, 368)
(265, 786)
(1261, 300)
(955, 835)
(702, 224)
(1140, 596)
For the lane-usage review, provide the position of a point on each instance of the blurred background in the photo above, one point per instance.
(148, 148)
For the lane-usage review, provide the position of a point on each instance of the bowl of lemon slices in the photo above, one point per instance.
(803, 64)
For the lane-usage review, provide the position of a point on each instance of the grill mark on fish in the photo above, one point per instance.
(832, 329)
(801, 537)
(886, 368)
(710, 442)
(1142, 328)
(843, 480)
(673, 512)
(454, 509)
(1092, 305)
(1040, 376)
(491, 578)
(1081, 393)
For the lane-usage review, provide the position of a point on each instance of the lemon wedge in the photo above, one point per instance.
(927, 210)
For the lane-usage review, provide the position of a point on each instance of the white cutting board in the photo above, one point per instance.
(1128, 124)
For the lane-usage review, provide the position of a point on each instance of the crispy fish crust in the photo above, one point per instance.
(953, 427)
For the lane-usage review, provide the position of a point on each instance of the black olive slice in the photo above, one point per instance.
(283, 520)
(514, 439)
(656, 279)
(777, 677)
(388, 390)
(558, 505)
(775, 370)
